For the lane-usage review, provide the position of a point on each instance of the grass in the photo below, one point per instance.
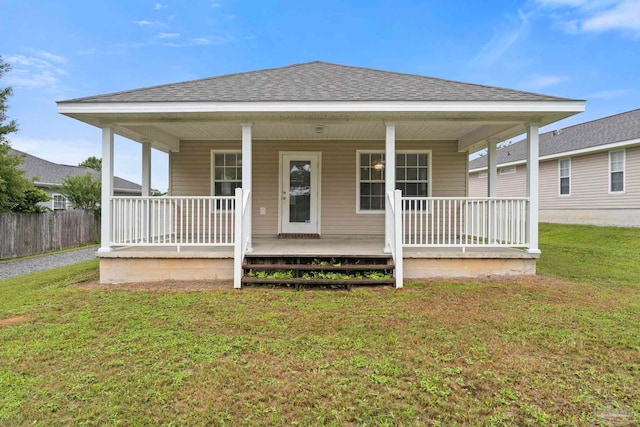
(552, 350)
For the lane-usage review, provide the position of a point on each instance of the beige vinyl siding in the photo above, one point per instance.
(477, 185)
(190, 175)
(590, 183)
(509, 185)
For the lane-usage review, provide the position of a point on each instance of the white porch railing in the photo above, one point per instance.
(394, 199)
(464, 222)
(173, 221)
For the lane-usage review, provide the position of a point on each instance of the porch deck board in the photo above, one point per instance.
(325, 246)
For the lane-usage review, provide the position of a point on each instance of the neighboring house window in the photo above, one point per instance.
(59, 202)
(507, 171)
(616, 171)
(226, 170)
(412, 177)
(482, 175)
(564, 166)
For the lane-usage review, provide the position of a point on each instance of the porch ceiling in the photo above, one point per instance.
(470, 129)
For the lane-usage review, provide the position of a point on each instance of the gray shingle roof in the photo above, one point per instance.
(54, 173)
(318, 81)
(607, 130)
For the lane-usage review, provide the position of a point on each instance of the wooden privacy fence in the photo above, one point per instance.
(23, 234)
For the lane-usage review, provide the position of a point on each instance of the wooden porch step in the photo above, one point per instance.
(359, 270)
(316, 267)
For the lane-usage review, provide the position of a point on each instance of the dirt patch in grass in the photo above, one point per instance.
(14, 319)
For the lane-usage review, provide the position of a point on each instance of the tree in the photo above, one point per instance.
(6, 126)
(92, 162)
(83, 191)
(17, 193)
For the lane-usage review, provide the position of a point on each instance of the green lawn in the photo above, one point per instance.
(551, 350)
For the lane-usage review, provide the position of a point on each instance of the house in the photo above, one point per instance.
(47, 176)
(316, 160)
(589, 172)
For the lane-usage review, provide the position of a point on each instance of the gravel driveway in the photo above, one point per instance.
(45, 262)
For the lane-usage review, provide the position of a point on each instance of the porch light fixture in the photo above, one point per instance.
(319, 129)
(378, 165)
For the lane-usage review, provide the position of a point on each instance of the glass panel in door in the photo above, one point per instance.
(300, 191)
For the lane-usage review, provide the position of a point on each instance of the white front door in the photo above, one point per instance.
(300, 192)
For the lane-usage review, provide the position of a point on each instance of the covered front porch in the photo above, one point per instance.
(345, 160)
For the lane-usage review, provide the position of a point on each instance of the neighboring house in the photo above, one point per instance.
(47, 176)
(303, 161)
(589, 173)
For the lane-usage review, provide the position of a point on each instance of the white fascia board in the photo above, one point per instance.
(501, 165)
(597, 148)
(321, 106)
(590, 150)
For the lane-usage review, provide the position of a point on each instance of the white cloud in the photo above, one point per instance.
(216, 4)
(504, 37)
(579, 16)
(168, 35)
(52, 57)
(200, 41)
(538, 82)
(610, 94)
(90, 51)
(625, 16)
(40, 70)
(158, 6)
(143, 22)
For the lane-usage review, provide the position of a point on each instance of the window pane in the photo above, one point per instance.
(400, 159)
(422, 174)
(377, 203)
(412, 174)
(401, 174)
(412, 160)
(365, 203)
(376, 174)
(364, 174)
(617, 181)
(422, 159)
(564, 185)
(219, 174)
(422, 189)
(219, 160)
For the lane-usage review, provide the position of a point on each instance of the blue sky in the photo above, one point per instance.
(64, 49)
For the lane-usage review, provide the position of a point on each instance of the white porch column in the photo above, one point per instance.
(532, 186)
(107, 189)
(146, 168)
(247, 177)
(492, 168)
(389, 182)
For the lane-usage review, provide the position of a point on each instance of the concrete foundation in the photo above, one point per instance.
(421, 268)
(131, 270)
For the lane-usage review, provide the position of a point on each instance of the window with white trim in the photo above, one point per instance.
(616, 171)
(412, 177)
(59, 202)
(564, 170)
(226, 172)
